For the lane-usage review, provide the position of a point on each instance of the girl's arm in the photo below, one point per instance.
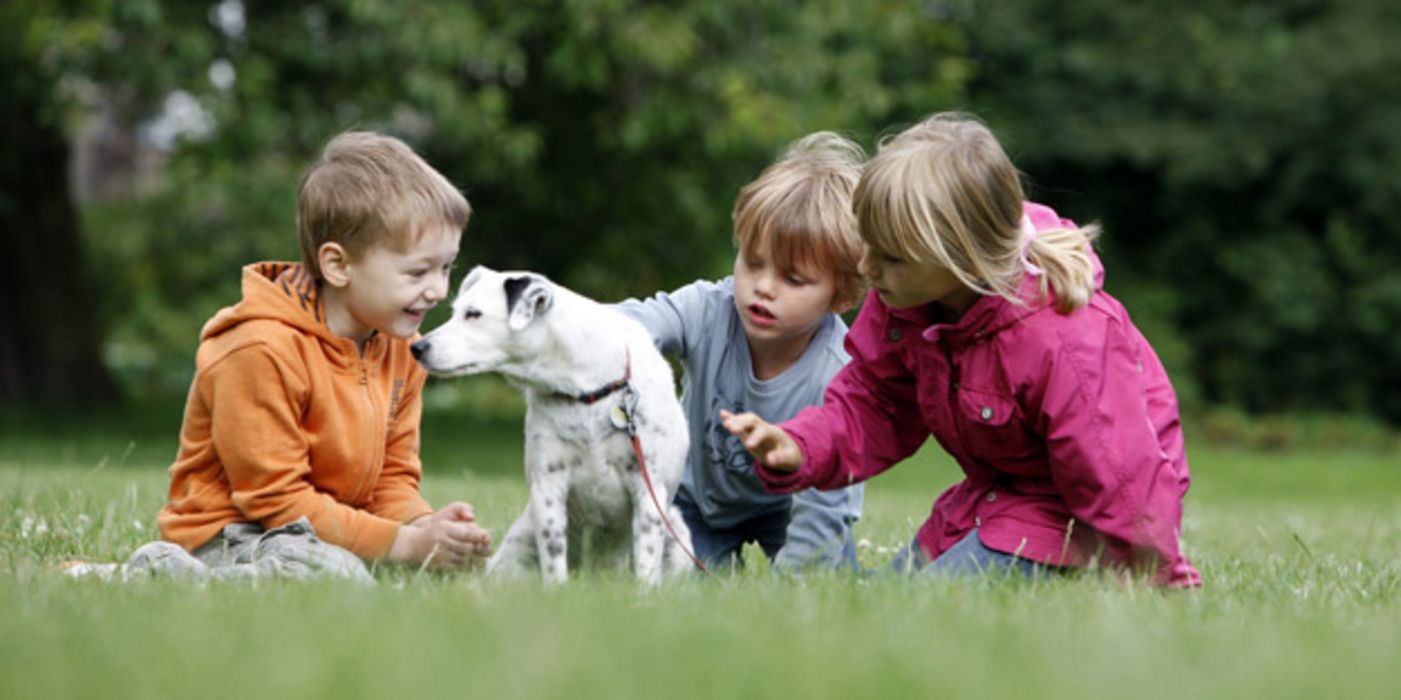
(869, 419)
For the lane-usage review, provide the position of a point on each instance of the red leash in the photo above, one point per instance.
(626, 423)
(647, 479)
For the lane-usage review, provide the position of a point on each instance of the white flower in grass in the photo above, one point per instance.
(29, 526)
(866, 544)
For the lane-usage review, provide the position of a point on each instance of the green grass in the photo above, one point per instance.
(1301, 553)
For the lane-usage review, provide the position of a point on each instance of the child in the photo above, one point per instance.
(988, 328)
(767, 340)
(299, 450)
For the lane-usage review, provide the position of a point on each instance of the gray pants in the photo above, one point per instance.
(245, 551)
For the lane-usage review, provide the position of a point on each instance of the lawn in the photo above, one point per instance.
(1301, 553)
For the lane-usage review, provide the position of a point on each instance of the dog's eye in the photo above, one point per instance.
(470, 314)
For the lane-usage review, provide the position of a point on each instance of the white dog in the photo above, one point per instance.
(591, 377)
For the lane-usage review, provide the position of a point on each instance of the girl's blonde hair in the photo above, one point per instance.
(371, 189)
(799, 210)
(944, 191)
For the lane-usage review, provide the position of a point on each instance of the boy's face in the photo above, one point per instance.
(390, 290)
(777, 304)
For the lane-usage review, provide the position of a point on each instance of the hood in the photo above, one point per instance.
(284, 292)
(1045, 218)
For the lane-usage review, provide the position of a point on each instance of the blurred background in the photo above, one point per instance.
(1244, 159)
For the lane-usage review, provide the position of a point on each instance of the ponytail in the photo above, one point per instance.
(1063, 257)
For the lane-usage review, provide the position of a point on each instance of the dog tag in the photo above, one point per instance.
(624, 414)
(619, 417)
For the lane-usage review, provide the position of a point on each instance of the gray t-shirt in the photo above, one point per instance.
(698, 324)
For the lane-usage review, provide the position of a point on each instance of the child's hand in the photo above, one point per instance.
(443, 536)
(768, 443)
(457, 511)
(461, 512)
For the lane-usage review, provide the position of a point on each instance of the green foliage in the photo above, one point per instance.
(1243, 155)
(130, 52)
(169, 260)
(1225, 426)
(600, 142)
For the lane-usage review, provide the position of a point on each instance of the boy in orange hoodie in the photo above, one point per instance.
(299, 450)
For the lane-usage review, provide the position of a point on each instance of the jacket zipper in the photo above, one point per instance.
(371, 443)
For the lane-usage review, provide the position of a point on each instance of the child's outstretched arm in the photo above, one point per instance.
(767, 442)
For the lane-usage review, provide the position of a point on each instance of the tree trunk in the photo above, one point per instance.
(50, 339)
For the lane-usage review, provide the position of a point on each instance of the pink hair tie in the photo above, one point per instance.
(1028, 235)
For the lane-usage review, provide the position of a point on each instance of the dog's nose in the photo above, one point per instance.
(418, 349)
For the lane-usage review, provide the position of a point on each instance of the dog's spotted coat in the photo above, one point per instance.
(586, 493)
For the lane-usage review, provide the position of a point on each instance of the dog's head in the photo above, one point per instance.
(494, 324)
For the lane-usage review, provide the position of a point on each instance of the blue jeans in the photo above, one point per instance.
(719, 547)
(722, 546)
(968, 557)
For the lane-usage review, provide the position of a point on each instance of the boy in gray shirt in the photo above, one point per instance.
(767, 340)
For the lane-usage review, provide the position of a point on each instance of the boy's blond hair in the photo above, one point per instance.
(370, 189)
(943, 191)
(799, 209)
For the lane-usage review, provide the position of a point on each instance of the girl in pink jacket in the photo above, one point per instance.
(988, 328)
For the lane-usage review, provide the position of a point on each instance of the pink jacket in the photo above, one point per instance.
(1066, 427)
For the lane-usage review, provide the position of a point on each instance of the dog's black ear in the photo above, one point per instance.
(527, 296)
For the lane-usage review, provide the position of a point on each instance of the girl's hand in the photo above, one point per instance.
(769, 444)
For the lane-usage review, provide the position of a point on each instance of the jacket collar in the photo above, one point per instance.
(987, 316)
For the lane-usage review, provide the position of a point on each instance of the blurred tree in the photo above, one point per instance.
(1246, 161)
(600, 141)
(53, 56)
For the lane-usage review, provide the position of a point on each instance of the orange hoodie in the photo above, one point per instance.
(286, 419)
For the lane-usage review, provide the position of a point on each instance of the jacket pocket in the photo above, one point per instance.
(993, 429)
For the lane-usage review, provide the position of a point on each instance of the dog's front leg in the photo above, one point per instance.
(517, 553)
(648, 534)
(678, 552)
(547, 508)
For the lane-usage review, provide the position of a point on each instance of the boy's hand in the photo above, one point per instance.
(457, 511)
(450, 536)
(460, 512)
(769, 444)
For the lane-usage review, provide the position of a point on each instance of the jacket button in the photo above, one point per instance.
(992, 497)
(986, 413)
(894, 334)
